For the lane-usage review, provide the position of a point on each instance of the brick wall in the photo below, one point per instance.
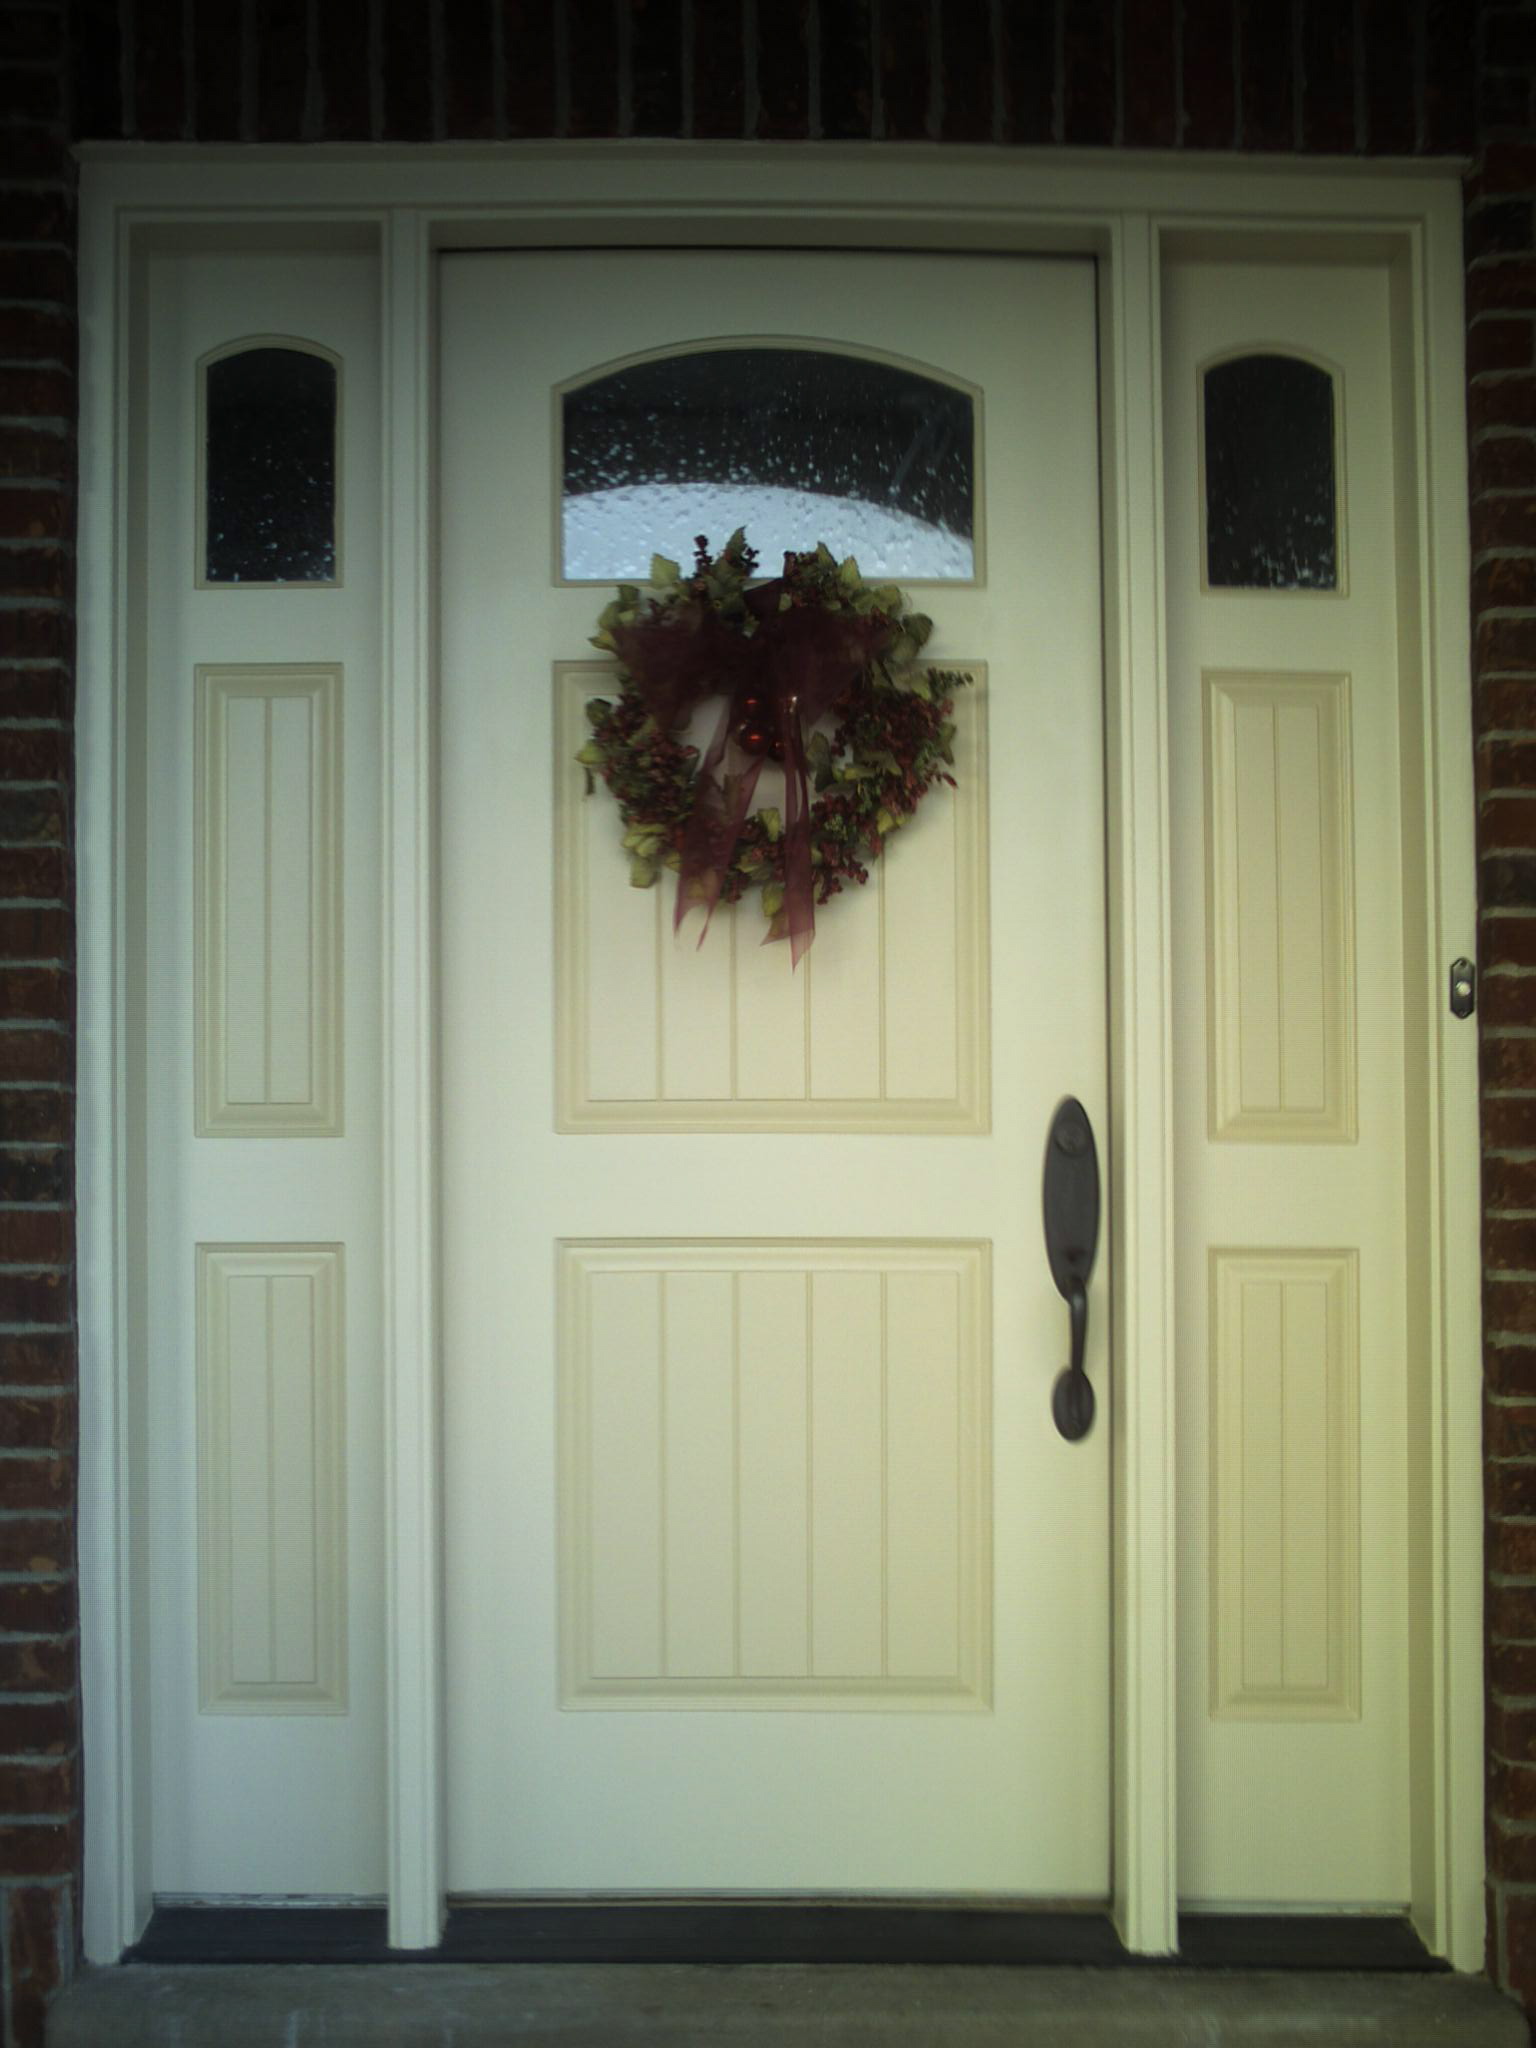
(39, 1757)
(1330, 76)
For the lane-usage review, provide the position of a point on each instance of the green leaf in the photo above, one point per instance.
(605, 640)
(848, 574)
(641, 873)
(629, 596)
(919, 628)
(591, 755)
(886, 821)
(663, 571)
(773, 824)
(773, 898)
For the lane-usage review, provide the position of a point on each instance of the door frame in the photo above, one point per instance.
(1132, 213)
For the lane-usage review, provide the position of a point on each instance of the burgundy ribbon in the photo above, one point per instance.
(797, 663)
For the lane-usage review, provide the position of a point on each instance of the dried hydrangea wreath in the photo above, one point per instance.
(819, 671)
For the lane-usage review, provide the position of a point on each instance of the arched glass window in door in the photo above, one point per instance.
(269, 463)
(1270, 446)
(795, 443)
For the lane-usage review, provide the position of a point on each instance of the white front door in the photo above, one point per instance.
(766, 1566)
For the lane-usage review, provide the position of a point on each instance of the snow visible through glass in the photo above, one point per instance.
(796, 445)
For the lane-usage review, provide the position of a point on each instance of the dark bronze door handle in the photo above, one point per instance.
(1071, 1202)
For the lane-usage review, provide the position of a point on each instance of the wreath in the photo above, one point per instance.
(818, 671)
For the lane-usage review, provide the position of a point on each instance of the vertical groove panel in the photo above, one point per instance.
(268, 890)
(1285, 1635)
(775, 1475)
(1280, 908)
(271, 1478)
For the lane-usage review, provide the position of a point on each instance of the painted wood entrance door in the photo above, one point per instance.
(766, 1567)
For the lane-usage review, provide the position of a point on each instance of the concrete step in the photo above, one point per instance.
(774, 2005)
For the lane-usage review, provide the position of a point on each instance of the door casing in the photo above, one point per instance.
(1133, 214)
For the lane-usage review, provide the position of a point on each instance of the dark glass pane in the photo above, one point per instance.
(1270, 490)
(271, 468)
(796, 445)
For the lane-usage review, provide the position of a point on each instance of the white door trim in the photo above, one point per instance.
(1125, 210)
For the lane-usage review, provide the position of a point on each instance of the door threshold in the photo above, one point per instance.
(787, 1931)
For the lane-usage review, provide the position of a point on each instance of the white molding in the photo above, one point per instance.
(413, 1538)
(1140, 1163)
(1120, 208)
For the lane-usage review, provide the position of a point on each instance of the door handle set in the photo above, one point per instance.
(1070, 1198)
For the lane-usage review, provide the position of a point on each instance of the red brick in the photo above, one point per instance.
(159, 75)
(1509, 1246)
(37, 1607)
(783, 75)
(40, 1482)
(1509, 1306)
(34, 1056)
(31, 817)
(31, 872)
(35, 933)
(848, 72)
(1150, 75)
(39, 1848)
(1512, 1733)
(46, 1789)
(36, 572)
(45, 1544)
(36, 513)
(1511, 1370)
(1506, 704)
(1498, 227)
(469, 73)
(1389, 81)
(1268, 65)
(33, 1176)
(1508, 522)
(1505, 401)
(37, 392)
(1508, 881)
(656, 67)
(1026, 64)
(1509, 1000)
(36, 334)
(36, 635)
(1507, 822)
(46, 275)
(1509, 1431)
(1512, 1790)
(39, 1664)
(407, 73)
(1512, 1854)
(1500, 344)
(1088, 73)
(1503, 460)
(1503, 103)
(282, 68)
(218, 61)
(1510, 1612)
(1507, 764)
(36, 993)
(38, 1728)
(1510, 1490)
(37, 215)
(30, 95)
(1328, 80)
(36, 1958)
(31, 755)
(34, 1422)
(1509, 1123)
(40, 454)
(34, 1116)
(36, 1358)
(967, 69)
(36, 692)
(1512, 1553)
(39, 153)
(719, 76)
(1506, 582)
(34, 1297)
(1504, 167)
(1501, 285)
(1210, 105)
(35, 1236)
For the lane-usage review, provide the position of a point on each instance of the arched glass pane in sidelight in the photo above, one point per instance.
(270, 467)
(798, 445)
(1271, 492)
